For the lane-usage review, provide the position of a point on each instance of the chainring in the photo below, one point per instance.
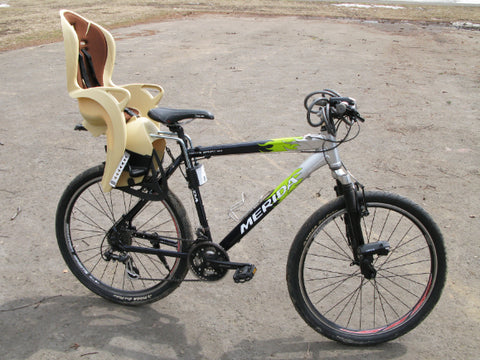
(199, 260)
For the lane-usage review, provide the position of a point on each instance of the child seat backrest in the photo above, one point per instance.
(90, 57)
(90, 52)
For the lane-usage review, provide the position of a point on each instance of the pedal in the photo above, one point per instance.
(244, 273)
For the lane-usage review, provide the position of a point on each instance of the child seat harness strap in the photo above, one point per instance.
(87, 72)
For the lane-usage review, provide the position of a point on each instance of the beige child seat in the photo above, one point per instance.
(120, 112)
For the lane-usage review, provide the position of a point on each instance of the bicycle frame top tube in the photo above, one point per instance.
(298, 144)
(325, 152)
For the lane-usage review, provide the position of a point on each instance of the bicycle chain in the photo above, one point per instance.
(173, 280)
(190, 244)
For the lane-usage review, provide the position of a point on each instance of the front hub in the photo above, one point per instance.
(366, 257)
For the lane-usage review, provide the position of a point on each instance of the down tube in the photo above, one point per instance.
(260, 211)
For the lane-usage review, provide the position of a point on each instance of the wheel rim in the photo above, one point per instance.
(339, 296)
(91, 214)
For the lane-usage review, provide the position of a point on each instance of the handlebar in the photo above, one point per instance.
(328, 105)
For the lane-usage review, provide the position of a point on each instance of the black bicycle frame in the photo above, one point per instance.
(189, 157)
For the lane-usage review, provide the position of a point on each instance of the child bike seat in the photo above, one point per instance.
(119, 111)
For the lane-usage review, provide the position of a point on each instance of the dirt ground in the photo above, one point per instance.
(417, 86)
(33, 22)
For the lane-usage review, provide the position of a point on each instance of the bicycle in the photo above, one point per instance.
(365, 268)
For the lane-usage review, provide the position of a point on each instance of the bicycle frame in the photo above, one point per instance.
(325, 152)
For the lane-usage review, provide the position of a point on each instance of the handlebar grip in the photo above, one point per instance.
(359, 117)
(339, 99)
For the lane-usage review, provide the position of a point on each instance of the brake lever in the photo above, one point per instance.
(355, 114)
(360, 118)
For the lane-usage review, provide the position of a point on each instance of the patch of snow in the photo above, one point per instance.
(367, 6)
(466, 25)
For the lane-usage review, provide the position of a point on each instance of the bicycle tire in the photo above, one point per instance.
(84, 216)
(336, 300)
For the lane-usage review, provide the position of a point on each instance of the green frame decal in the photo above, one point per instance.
(267, 205)
(286, 187)
(281, 144)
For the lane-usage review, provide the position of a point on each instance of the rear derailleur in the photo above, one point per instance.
(117, 236)
(130, 269)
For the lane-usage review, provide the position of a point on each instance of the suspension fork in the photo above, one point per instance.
(363, 254)
(355, 211)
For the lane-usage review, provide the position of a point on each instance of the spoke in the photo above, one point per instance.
(90, 258)
(402, 256)
(409, 241)
(91, 231)
(391, 294)
(126, 207)
(388, 303)
(109, 206)
(384, 224)
(341, 231)
(395, 229)
(348, 296)
(92, 222)
(86, 250)
(336, 284)
(124, 277)
(332, 257)
(84, 239)
(369, 234)
(331, 271)
(159, 226)
(114, 273)
(100, 208)
(154, 216)
(359, 293)
(361, 303)
(406, 264)
(140, 262)
(398, 285)
(342, 251)
(398, 246)
(380, 297)
(405, 276)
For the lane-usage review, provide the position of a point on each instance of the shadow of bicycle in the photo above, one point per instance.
(70, 326)
(66, 327)
(298, 348)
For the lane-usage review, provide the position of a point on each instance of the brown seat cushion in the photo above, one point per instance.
(91, 39)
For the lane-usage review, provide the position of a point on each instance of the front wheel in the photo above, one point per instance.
(90, 228)
(332, 295)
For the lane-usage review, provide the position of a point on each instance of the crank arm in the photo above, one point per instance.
(244, 271)
(228, 264)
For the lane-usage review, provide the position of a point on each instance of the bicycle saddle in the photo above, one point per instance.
(169, 116)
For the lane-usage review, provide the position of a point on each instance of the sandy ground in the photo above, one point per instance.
(417, 86)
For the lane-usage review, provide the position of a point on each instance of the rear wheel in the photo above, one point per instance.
(87, 236)
(329, 291)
